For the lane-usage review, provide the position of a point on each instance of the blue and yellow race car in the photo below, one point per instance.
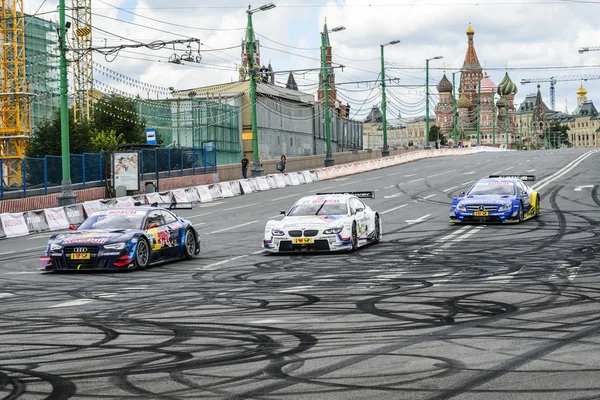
(499, 198)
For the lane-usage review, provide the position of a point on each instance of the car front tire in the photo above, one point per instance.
(142, 254)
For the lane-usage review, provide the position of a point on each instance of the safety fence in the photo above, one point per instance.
(59, 218)
(42, 176)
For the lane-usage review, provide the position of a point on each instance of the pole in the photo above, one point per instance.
(521, 126)
(385, 150)
(454, 109)
(66, 196)
(257, 170)
(493, 120)
(427, 101)
(329, 161)
(478, 112)
(506, 124)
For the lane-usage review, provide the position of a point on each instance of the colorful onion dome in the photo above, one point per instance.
(507, 86)
(470, 30)
(487, 85)
(581, 92)
(463, 102)
(444, 86)
(502, 102)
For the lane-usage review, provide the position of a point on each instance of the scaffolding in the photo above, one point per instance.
(83, 71)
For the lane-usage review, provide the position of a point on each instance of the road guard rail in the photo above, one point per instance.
(59, 218)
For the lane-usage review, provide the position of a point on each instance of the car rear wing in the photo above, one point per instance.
(360, 195)
(521, 177)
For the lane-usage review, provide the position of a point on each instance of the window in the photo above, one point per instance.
(154, 217)
(168, 217)
(291, 141)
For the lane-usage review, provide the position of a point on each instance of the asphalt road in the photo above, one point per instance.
(434, 311)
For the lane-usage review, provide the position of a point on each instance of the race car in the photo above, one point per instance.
(325, 222)
(122, 238)
(498, 198)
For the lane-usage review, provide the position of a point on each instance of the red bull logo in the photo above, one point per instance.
(161, 237)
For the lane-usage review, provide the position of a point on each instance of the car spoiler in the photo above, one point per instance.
(173, 205)
(521, 177)
(360, 195)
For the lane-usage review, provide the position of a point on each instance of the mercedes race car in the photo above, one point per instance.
(499, 198)
(122, 238)
(325, 222)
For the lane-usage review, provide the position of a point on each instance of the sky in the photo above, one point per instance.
(532, 38)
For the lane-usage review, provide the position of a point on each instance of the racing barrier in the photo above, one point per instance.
(60, 218)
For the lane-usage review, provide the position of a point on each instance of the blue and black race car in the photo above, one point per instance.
(499, 198)
(122, 238)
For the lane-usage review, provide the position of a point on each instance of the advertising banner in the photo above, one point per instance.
(215, 191)
(36, 221)
(126, 201)
(56, 218)
(272, 182)
(179, 196)
(204, 193)
(246, 187)
(280, 181)
(225, 189)
(294, 178)
(2, 234)
(92, 206)
(75, 214)
(263, 183)
(192, 195)
(125, 170)
(14, 225)
(235, 188)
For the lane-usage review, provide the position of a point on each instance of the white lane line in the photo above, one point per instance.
(198, 215)
(393, 195)
(451, 241)
(106, 295)
(393, 209)
(295, 289)
(503, 278)
(544, 182)
(469, 173)
(325, 188)
(21, 273)
(509, 168)
(371, 179)
(235, 208)
(285, 197)
(142, 287)
(4, 295)
(233, 227)
(409, 175)
(441, 173)
(450, 188)
(276, 216)
(389, 187)
(418, 220)
(428, 197)
(531, 170)
(210, 204)
(72, 303)
(349, 183)
(209, 266)
(7, 252)
(395, 173)
(340, 179)
(497, 172)
(447, 237)
(416, 180)
(447, 172)
(257, 252)
(467, 183)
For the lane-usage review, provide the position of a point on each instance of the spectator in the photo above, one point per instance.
(281, 164)
(245, 163)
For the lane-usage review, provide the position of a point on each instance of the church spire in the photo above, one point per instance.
(471, 60)
(326, 33)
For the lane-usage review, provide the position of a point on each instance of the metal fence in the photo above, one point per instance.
(42, 176)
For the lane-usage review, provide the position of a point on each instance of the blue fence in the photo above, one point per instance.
(42, 176)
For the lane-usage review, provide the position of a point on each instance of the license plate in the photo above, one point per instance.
(481, 213)
(303, 240)
(80, 256)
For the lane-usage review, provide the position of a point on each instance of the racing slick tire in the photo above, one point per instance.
(521, 213)
(189, 244)
(377, 236)
(142, 254)
(537, 206)
(354, 237)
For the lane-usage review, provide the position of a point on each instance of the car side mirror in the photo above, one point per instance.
(152, 226)
(360, 210)
(282, 212)
(461, 194)
(72, 227)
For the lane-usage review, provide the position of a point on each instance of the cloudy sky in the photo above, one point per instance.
(533, 38)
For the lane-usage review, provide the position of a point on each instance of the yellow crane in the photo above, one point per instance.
(83, 76)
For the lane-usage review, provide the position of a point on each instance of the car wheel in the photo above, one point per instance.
(354, 237)
(142, 254)
(377, 230)
(537, 206)
(521, 213)
(189, 244)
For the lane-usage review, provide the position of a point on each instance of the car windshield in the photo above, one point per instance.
(493, 188)
(319, 208)
(104, 220)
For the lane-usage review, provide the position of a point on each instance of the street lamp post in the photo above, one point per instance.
(478, 113)
(329, 161)
(256, 170)
(427, 95)
(454, 108)
(385, 151)
(66, 196)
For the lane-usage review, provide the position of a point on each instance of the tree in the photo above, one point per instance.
(104, 140)
(46, 138)
(558, 135)
(119, 114)
(435, 134)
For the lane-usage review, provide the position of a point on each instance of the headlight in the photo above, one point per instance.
(505, 207)
(55, 247)
(461, 207)
(332, 231)
(277, 232)
(114, 246)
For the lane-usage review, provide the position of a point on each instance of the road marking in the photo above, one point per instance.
(393, 209)
(325, 188)
(295, 289)
(395, 173)
(393, 195)
(377, 177)
(198, 215)
(416, 180)
(72, 303)
(418, 220)
(509, 168)
(7, 252)
(209, 266)
(503, 278)
(530, 170)
(235, 208)
(21, 273)
(267, 321)
(580, 188)
(543, 183)
(349, 183)
(409, 175)
(467, 183)
(106, 295)
(210, 204)
(389, 187)
(285, 197)
(340, 179)
(450, 188)
(233, 227)
(258, 252)
(496, 173)
(469, 173)
(428, 197)
(3, 295)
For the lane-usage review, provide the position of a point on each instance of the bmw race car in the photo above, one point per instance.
(324, 222)
(499, 198)
(122, 238)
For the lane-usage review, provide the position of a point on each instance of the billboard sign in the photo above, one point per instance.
(125, 170)
(150, 136)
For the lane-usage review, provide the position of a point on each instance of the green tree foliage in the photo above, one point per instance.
(46, 138)
(117, 113)
(435, 134)
(105, 140)
(557, 135)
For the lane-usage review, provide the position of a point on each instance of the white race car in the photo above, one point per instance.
(325, 222)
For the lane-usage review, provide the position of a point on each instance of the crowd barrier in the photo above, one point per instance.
(60, 218)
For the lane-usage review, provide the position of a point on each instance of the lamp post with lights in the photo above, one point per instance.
(329, 161)
(427, 95)
(385, 151)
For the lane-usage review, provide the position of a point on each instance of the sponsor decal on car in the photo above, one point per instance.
(109, 253)
(79, 239)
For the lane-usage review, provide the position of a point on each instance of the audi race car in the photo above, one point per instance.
(499, 198)
(122, 238)
(324, 222)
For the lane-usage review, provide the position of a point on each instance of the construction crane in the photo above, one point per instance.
(589, 48)
(15, 99)
(555, 79)
(83, 78)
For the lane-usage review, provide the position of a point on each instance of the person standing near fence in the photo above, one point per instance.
(281, 164)
(245, 163)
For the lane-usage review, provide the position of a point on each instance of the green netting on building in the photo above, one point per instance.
(192, 122)
(42, 68)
